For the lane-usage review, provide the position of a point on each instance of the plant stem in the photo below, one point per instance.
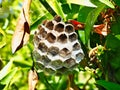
(71, 84)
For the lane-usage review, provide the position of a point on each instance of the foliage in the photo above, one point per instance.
(102, 72)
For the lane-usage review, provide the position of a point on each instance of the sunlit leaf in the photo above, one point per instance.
(107, 2)
(117, 36)
(22, 32)
(23, 63)
(9, 76)
(6, 24)
(4, 12)
(108, 85)
(5, 70)
(2, 38)
(56, 7)
(82, 2)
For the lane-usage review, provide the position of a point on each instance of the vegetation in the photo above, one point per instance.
(100, 40)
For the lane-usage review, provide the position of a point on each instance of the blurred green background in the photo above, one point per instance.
(98, 75)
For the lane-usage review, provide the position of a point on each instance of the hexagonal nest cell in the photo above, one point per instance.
(53, 51)
(42, 47)
(69, 63)
(57, 64)
(59, 27)
(56, 46)
(76, 46)
(73, 37)
(51, 37)
(69, 29)
(64, 52)
(57, 18)
(62, 38)
(42, 32)
(49, 25)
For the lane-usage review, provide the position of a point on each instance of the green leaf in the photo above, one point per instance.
(117, 36)
(117, 2)
(83, 13)
(9, 76)
(5, 24)
(39, 20)
(91, 18)
(4, 12)
(108, 3)
(115, 27)
(62, 83)
(23, 63)
(82, 36)
(82, 2)
(113, 42)
(48, 6)
(5, 70)
(57, 8)
(2, 38)
(71, 10)
(108, 85)
(66, 9)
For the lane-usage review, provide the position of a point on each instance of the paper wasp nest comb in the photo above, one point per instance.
(56, 46)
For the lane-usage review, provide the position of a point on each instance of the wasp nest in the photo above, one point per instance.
(56, 46)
